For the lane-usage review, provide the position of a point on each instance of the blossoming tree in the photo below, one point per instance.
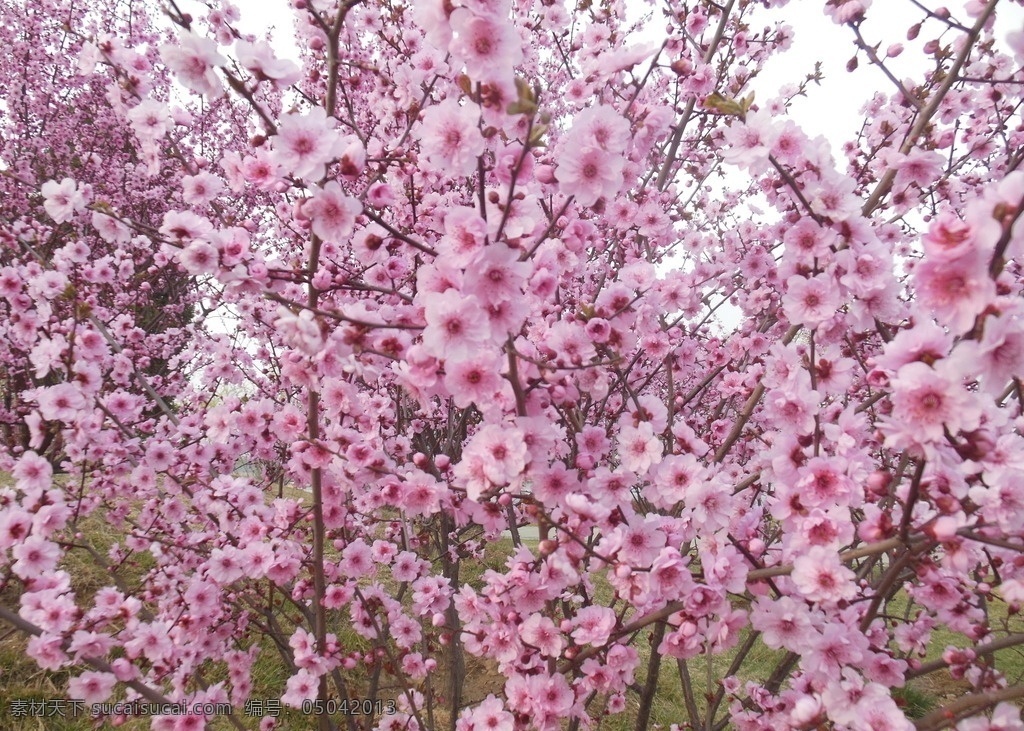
(461, 271)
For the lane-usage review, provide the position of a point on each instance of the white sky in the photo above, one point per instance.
(832, 109)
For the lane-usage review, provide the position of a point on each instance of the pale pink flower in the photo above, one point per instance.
(926, 402)
(810, 302)
(748, 142)
(300, 330)
(150, 120)
(47, 651)
(593, 625)
(639, 447)
(540, 632)
(198, 190)
(225, 565)
(491, 715)
(602, 127)
(91, 687)
(450, 139)
(503, 450)
(193, 59)
(60, 403)
(465, 233)
(640, 542)
(918, 167)
(333, 213)
(845, 11)
(589, 174)
(954, 292)
(496, 274)
(259, 58)
(62, 200)
(488, 45)
(305, 143)
(820, 577)
(199, 257)
(32, 473)
(783, 623)
(457, 326)
(34, 557)
(15, 525)
(948, 238)
(1005, 717)
(303, 686)
(999, 356)
(185, 226)
(473, 380)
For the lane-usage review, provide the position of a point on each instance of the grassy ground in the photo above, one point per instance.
(22, 681)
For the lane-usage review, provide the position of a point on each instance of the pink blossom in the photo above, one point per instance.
(496, 274)
(32, 473)
(490, 715)
(199, 257)
(474, 380)
(540, 632)
(450, 139)
(225, 565)
(62, 200)
(926, 401)
(259, 58)
(820, 577)
(639, 447)
(488, 45)
(810, 302)
(640, 542)
(91, 687)
(333, 213)
(198, 190)
(589, 174)
(303, 686)
(193, 59)
(456, 325)
(150, 120)
(465, 232)
(593, 625)
(47, 651)
(305, 143)
(783, 623)
(954, 292)
(999, 356)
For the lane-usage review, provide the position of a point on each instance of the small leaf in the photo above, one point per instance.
(718, 103)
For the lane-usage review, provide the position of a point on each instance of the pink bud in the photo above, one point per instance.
(545, 174)
(894, 50)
